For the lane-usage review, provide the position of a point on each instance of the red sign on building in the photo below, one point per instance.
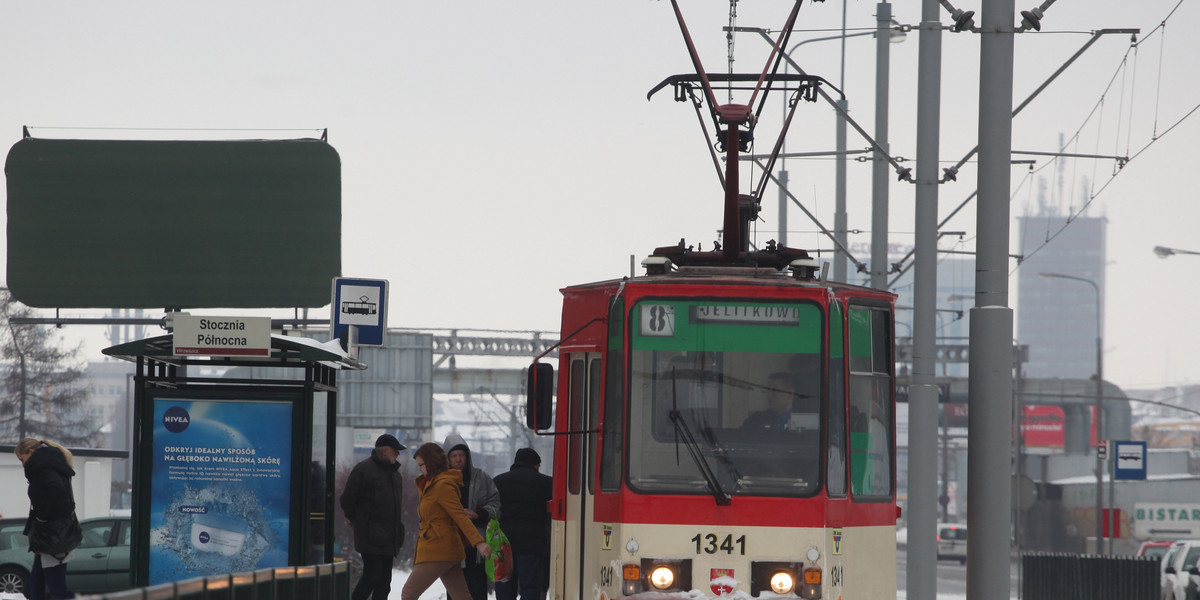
(1043, 426)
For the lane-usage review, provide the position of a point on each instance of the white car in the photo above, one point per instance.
(1177, 565)
(952, 542)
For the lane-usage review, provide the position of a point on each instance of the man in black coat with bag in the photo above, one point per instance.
(525, 520)
(372, 504)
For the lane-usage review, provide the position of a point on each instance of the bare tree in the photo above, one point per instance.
(44, 383)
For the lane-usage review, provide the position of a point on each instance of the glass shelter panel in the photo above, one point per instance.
(737, 384)
(318, 467)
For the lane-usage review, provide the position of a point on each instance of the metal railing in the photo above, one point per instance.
(1052, 576)
(311, 582)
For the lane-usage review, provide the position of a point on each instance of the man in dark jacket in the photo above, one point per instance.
(481, 502)
(524, 493)
(371, 502)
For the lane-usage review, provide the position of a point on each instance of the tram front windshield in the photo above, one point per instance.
(728, 387)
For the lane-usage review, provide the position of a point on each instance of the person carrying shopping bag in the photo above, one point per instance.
(440, 551)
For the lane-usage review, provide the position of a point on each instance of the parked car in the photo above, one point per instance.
(1155, 548)
(101, 562)
(1180, 557)
(11, 534)
(952, 542)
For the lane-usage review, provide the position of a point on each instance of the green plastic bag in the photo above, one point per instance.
(499, 565)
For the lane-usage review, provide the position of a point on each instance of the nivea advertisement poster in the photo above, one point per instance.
(220, 487)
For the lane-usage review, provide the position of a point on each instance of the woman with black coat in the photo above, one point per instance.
(49, 469)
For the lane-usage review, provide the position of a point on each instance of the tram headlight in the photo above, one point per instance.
(782, 582)
(662, 577)
(665, 574)
(775, 576)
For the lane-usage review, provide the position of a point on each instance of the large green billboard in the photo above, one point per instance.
(173, 224)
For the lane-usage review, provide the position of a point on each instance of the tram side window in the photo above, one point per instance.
(577, 384)
(593, 419)
(870, 405)
(835, 484)
(614, 402)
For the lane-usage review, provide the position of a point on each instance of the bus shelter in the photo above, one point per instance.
(231, 475)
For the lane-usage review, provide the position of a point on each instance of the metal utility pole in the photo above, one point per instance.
(840, 221)
(921, 577)
(989, 485)
(1099, 407)
(879, 179)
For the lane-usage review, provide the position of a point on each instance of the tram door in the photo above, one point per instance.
(581, 535)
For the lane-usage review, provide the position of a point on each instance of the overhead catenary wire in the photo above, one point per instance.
(1132, 93)
(1097, 111)
(1124, 121)
(1125, 75)
(1162, 44)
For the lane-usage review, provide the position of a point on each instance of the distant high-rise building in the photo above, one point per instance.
(1057, 318)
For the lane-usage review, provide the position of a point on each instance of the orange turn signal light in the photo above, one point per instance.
(812, 576)
(631, 572)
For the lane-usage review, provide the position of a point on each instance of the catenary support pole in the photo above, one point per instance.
(1100, 432)
(921, 577)
(989, 485)
(840, 221)
(879, 179)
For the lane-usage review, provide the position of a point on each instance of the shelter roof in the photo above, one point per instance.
(286, 351)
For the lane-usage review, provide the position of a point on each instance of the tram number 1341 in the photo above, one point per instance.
(707, 543)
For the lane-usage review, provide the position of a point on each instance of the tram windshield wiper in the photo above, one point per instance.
(721, 453)
(682, 430)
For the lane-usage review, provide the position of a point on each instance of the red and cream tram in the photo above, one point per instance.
(660, 483)
(724, 425)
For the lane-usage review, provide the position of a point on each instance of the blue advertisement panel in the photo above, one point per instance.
(220, 484)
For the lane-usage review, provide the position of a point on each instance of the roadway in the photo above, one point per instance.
(951, 577)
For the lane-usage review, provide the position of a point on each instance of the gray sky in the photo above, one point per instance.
(493, 153)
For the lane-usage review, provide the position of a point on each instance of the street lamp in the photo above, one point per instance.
(1163, 251)
(1099, 408)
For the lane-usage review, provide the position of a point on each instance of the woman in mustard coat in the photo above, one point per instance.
(439, 548)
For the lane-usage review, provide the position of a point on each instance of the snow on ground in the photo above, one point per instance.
(437, 592)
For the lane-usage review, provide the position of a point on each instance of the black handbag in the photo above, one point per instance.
(57, 537)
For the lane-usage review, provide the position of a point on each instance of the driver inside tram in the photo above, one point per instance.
(781, 397)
